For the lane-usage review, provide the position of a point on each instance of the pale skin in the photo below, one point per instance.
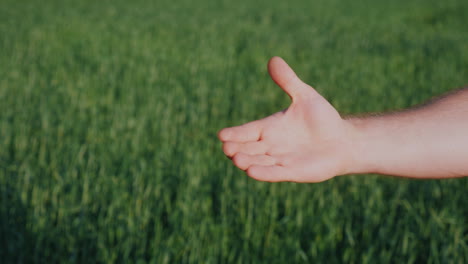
(310, 142)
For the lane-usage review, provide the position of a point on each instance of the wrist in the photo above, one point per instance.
(362, 150)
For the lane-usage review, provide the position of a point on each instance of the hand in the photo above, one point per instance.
(307, 142)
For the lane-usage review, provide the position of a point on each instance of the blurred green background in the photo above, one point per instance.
(109, 112)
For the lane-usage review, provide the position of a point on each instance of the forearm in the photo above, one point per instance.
(424, 142)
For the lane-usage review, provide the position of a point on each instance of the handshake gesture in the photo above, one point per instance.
(310, 142)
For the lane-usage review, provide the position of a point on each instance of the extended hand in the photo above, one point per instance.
(307, 142)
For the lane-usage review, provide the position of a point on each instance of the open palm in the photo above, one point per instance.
(307, 142)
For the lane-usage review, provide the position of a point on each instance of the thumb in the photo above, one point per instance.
(285, 78)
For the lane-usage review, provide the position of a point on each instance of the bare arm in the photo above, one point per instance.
(311, 142)
(424, 142)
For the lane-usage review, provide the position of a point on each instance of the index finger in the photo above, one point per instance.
(247, 132)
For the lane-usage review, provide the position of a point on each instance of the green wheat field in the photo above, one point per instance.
(109, 112)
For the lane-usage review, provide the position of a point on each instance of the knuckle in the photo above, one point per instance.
(255, 147)
(272, 150)
(285, 160)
